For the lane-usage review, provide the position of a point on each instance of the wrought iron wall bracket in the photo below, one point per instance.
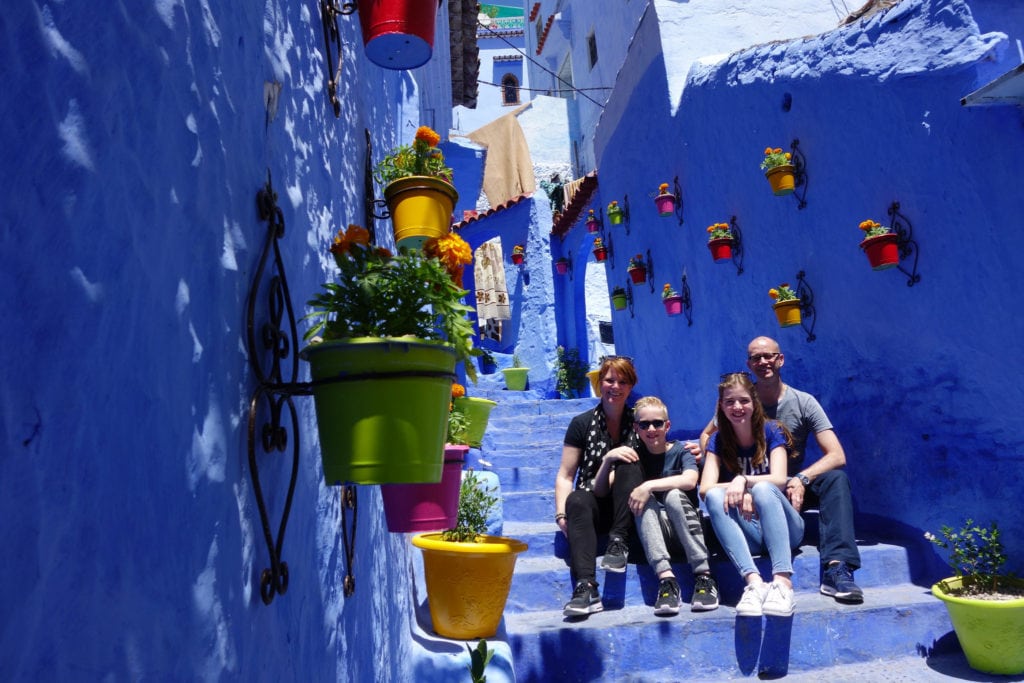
(807, 310)
(625, 212)
(799, 174)
(677, 190)
(650, 271)
(274, 391)
(684, 291)
(904, 231)
(329, 11)
(737, 246)
(629, 296)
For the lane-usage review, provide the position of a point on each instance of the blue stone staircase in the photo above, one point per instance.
(899, 619)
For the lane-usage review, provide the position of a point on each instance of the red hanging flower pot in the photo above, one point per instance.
(637, 275)
(600, 253)
(882, 251)
(721, 249)
(398, 34)
(517, 259)
(562, 266)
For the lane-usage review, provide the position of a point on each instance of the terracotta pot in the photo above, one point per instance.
(721, 249)
(601, 254)
(781, 179)
(883, 251)
(788, 312)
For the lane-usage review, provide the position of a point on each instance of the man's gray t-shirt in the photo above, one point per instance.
(803, 417)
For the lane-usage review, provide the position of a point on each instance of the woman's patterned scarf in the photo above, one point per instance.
(600, 442)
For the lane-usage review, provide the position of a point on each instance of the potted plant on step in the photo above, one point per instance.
(672, 300)
(383, 347)
(619, 299)
(985, 605)
(418, 189)
(787, 305)
(476, 411)
(637, 270)
(600, 251)
(468, 573)
(665, 201)
(880, 245)
(431, 507)
(571, 372)
(779, 170)
(720, 242)
(517, 375)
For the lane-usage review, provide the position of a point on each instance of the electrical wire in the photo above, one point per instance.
(569, 85)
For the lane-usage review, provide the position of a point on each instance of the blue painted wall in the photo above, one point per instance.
(918, 380)
(136, 140)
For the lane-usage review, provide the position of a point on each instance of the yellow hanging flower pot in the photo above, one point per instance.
(421, 208)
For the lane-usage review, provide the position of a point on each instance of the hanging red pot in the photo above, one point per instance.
(637, 275)
(398, 34)
(562, 266)
(882, 251)
(721, 249)
(601, 254)
(517, 259)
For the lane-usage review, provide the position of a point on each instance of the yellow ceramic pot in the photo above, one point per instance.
(781, 179)
(788, 312)
(421, 208)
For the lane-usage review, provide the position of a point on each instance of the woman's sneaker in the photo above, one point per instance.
(668, 597)
(705, 594)
(751, 600)
(779, 601)
(585, 600)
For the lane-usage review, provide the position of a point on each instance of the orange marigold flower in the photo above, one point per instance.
(663, 187)
(357, 234)
(767, 150)
(383, 252)
(458, 391)
(773, 293)
(777, 150)
(341, 244)
(426, 134)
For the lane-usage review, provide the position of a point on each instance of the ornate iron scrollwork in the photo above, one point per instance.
(329, 11)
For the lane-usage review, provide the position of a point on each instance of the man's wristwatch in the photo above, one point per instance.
(802, 478)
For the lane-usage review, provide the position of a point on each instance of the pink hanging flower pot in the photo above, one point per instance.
(665, 202)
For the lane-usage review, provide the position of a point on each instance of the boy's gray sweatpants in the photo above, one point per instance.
(682, 529)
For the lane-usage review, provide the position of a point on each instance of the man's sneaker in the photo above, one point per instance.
(837, 581)
(705, 594)
(779, 601)
(615, 556)
(668, 597)
(751, 600)
(585, 600)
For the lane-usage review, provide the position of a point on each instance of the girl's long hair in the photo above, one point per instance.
(727, 444)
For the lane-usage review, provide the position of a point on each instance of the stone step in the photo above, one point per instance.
(631, 643)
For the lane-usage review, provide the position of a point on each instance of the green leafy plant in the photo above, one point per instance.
(873, 229)
(782, 293)
(479, 659)
(719, 231)
(636, 262)
(667, 292)
(571, 372)
(422, 157)
(381, 295)
(976, 556)
(516, 361)
(773, 158)
(475, 504)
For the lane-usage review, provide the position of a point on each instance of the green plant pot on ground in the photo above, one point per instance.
(385, 422)
(991, 632)
(515, 378)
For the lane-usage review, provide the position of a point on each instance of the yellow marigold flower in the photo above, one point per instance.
(458, 391)
(773, 293)
(357, 234)
(789, 156)
(426, 134)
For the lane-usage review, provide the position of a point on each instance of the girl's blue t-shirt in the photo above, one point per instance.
(773, 437)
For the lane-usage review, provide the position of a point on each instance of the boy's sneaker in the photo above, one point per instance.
(751, 600)
(837, 581)
(615, 556)
(668, 597)
(705, 594)
(585, 600)
(779, 601)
